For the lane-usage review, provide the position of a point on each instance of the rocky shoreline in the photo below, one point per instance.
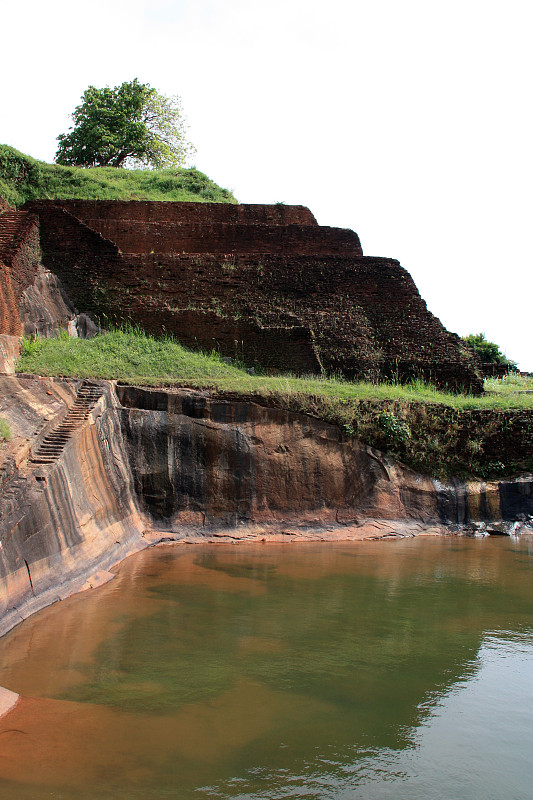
(95, 472)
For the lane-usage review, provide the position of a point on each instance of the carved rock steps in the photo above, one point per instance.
(54, 443)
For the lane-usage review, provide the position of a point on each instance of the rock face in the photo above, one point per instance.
(265, 284)
(65, 518)
(209, 462)
(9, 352)
(92, 468)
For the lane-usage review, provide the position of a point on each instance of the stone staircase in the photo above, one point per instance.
(49, 450)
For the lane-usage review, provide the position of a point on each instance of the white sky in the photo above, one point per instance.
(408, 121)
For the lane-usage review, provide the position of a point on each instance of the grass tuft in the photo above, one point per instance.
(5, 430)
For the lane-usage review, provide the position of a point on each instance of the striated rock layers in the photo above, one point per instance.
(93, 469)
(65, 517)
(198, 460)
(264, 284)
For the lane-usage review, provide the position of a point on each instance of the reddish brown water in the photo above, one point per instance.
(372, 670)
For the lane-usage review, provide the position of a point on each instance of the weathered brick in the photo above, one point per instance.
(277, 291)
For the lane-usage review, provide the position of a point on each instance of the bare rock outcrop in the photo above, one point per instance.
(65, 517)
(208, 462)
(95, 471)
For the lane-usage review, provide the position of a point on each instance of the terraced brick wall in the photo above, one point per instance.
(183, 213)
(165, 237)
(292, 307)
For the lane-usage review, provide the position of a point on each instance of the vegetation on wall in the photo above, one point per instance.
(5, 430)
(24, 178)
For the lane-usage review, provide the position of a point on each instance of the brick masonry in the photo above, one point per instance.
(19, 260)
(203, 213)
(263, 283)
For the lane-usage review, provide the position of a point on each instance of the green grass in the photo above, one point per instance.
(430, 430)
(24, 178)
(133, 356)
(5, 430)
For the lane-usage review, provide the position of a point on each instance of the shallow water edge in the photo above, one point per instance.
(141, 466)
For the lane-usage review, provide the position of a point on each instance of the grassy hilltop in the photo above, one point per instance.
(24, 178)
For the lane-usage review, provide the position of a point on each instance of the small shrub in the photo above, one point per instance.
(348, 430)
(489, 352)
(493, 469)
(395, 430)
(29, 345)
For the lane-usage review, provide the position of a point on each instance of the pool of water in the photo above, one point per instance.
(372, 670)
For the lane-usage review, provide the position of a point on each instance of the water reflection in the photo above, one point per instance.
(373, 670)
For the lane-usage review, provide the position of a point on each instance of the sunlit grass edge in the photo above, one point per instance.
(24, 178)
(136, 357)
(416, 423)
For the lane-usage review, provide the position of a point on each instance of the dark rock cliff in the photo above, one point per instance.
(210, 462)
(97, 471)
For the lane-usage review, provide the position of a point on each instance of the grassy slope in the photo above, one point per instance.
(23, 178)
(435, 445)
(136, 357)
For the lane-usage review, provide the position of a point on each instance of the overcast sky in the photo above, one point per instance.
(408, 121)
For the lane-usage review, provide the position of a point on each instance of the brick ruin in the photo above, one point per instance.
(264, 284)
(19, 259)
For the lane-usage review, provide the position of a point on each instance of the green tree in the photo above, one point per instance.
(131, 125)
(489, 352)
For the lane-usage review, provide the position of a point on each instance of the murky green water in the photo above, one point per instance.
(373, 671)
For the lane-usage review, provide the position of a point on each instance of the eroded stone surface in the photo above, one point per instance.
(203, 462)
(152, 465)
(63, 521)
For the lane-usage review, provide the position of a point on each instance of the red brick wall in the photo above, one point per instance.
(82, 259)
(361, 317)
(146, 237)
(191, 213)
(19, 259)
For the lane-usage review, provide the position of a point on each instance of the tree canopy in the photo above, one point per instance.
(489, 352)
(131, 125)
